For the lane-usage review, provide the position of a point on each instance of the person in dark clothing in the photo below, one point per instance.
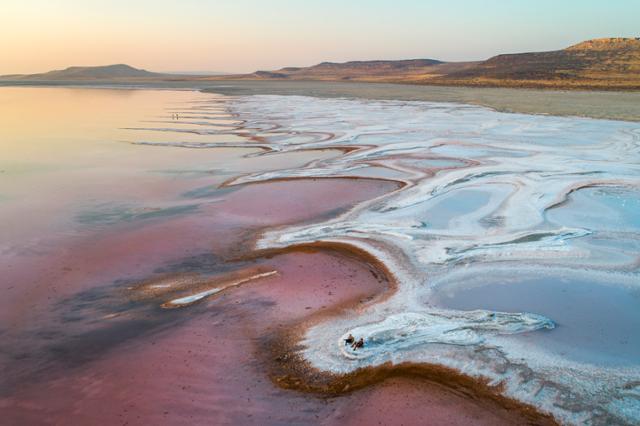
(357, 345)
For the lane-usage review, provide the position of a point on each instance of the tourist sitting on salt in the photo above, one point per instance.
(357, 345)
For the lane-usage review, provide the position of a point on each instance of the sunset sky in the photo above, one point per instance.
(246, 35)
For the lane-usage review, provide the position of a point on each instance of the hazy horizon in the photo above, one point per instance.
(247, 35)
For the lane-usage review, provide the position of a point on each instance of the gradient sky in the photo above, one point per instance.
(246, 35)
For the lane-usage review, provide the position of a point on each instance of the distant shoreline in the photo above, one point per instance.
(203, 81)
(590, 104)
(566, 85)
(612, 105)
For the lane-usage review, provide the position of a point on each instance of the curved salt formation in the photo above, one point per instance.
(483, 191)
(403, 331)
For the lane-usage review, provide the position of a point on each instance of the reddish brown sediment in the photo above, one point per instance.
(283, 201)
(210, 369)
(563, 197)
(235, 361)
(293, 372)
(396, 182)
(206, 370)
(227, 228)
(344, 149)
(290, 371)
(377, 269)
(169, 287)
(414, 400)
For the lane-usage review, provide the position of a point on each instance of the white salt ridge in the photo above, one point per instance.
(403, 331)
(488, 209)
(188, 300)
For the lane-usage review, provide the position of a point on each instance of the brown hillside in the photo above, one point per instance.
(600, 63)
(610, 64)
(401, 70)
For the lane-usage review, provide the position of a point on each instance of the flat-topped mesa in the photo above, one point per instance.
(106, 70)
(611, 43)
(600, 63)
(83, 73)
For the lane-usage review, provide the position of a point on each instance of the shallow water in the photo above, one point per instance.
(596, 322)
(514, 239)
(99, 234)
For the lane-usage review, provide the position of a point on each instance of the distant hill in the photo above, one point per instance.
(405, 70)
(610, 63)
(365, 66)
(106, 72)
(603, 63)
